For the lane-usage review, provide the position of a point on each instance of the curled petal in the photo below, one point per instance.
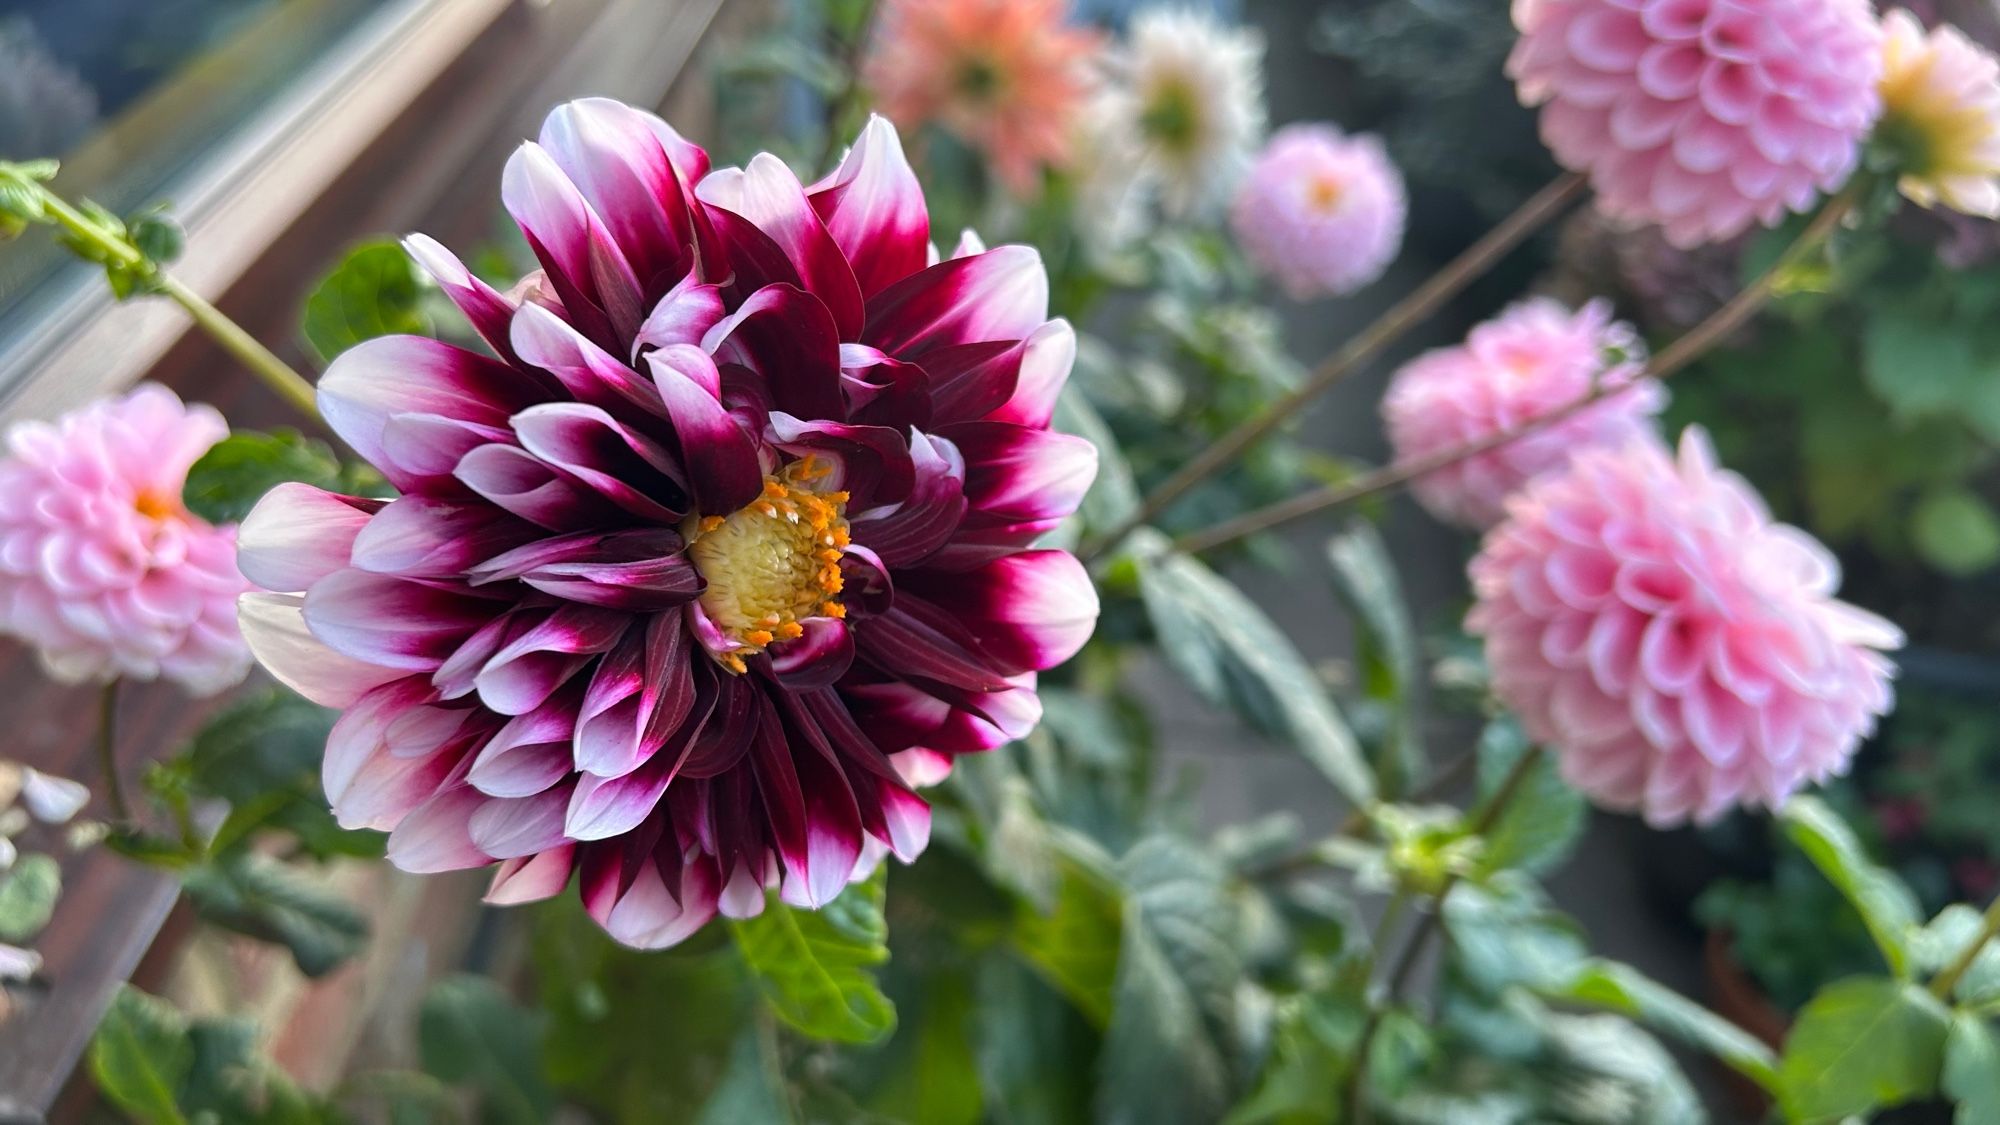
(298, 534)
(588, 445)
(417, 537)
(274, 626)
(600, 291)
(1015, 474)
(390, 621)
(816, 659)
(766, 193)
(788, 339)
(373, 382)
(532, 878)
(874, 209)
(1002, 294)
(437, 836)
(525, 672)
(517, 481)
(720, 458)
(907, 532)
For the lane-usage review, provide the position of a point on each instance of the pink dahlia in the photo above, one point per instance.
(102, 569)
(1701, 115)
(1678, 651)
(1006, 76)
(1320, 211)
(1534, 358)
(730, 539)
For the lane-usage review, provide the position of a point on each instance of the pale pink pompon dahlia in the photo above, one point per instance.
(1676, 650)
(1701, 115)
(728, 547)
(1534, 358)
(102, 570)
(1321, 212)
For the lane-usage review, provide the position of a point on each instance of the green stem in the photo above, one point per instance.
(1945, 981)
(1412, 951)
(1676, 356)
(107, 753)
(262, 362)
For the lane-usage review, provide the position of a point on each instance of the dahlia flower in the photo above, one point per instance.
(1320, 212)
(1678, 651)
(1941, 115)
(1189, 92)
(1535, 357)
(1701, 115)
(730, 543)
(1006, 76)
(102, 570)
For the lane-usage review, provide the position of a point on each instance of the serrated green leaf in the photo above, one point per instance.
(1542, 820)
(813, 966)
(1232, 652)
(1887, 907)
(472, 1033)
(1385, 644)
(141, 1056)
(262, 898)
(1074, 944)
(1625, 990)
(28, 894)
(374, 291)
(1862, 1044)
(237, 471)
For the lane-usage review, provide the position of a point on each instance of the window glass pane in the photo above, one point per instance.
(131, 94)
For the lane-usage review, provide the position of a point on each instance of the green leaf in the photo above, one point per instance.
(1625, 990)
(266, 900)
(141, 1056)
(813, 966)
(1074, 944)
(1114, 495)
(1956, 530)
(157, 235)
(374, 291)
(1925, 360)
(1504, 934)
(232, 476)
(1943, 941)
(1886, 906)
(1972, 1070)
(933, 1073)
(753, 1085)
(28, 894)
(1168, 1051)
(1036, 1052)
(1233, 653)
(1402, 1046)
(1862, 1044)
(472, 1033)
(1542, 821)
(1385, 643)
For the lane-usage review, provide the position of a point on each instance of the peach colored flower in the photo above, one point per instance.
(1941, 112)
(1006, 76)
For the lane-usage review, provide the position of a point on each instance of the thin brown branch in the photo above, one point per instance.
(1698, 340)
(1420, 305)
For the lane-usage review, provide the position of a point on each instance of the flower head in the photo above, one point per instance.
(731, 541)
(1534, 358)
(102, 569)
(1007, 76)
(1701, 115)
(1941, 115)
(1188, 91)
(1320, 211)
(1678, 651)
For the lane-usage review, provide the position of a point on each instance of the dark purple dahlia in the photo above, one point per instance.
(727, 547)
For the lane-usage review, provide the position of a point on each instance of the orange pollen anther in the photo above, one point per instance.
(774, 563)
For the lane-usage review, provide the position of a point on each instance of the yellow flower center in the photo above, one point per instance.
(772, 563)
(1324, 193)
(157, 506)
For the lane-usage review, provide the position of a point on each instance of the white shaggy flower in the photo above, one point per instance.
(1190, 90)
